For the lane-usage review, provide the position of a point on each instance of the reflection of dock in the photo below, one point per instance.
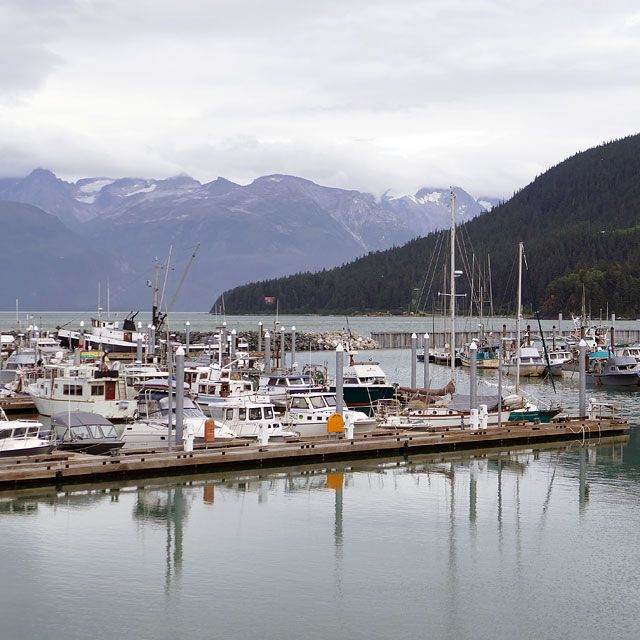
(56, 469)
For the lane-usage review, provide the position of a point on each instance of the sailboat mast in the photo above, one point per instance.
(518, 314)
(453, 285)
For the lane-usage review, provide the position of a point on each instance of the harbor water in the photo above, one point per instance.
(529, 542)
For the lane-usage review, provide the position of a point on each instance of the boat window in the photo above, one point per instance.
(272, 381)
(281, 382)
(95, 431)
(97, 389)
(298, 403)
(255, 413)
(80, 433)
(72, 390)
(32, 432)
(330, 400)
(109, 431)
(19, 432)
(268, 412)
(351, 381)
(229, 414)
(5, 433)
(317, 402)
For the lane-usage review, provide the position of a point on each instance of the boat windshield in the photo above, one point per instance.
(317, 402)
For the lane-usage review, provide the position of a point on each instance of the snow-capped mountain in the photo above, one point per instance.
(274, 226)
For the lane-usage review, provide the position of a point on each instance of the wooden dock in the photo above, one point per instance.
(18, 404)
(58, 468)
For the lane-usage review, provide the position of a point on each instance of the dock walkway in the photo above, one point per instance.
(58, 468)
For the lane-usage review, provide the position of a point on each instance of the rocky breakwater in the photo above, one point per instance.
(326, 341)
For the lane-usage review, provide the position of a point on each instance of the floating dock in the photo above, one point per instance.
(59, 468)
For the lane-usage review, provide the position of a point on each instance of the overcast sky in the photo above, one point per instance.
(363, 94)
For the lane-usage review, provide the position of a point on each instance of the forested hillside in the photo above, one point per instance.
(580, 224)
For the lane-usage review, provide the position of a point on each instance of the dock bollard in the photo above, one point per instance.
(484, 416)
(188, 438)
(263, 433)
(474, 420)
(348, 427)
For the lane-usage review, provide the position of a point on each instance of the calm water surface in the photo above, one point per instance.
(521, 543)
(524, 543)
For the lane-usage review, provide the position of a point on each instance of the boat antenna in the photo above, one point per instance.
(166, 273)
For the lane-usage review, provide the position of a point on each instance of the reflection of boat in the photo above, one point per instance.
(21, 438)
(619, 371)
(307, 413)
(84, 432)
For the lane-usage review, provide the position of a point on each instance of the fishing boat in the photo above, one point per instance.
(104, 335)
(84, 432)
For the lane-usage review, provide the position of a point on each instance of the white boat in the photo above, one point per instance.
(308, 413)
(244, 415)
(104, 335)
(22, 438)
(277, 387)
(531, 364)
(455, 414)
(84, 387)
(151, 428)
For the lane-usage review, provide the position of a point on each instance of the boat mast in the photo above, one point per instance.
(453, 285)
(518, 314)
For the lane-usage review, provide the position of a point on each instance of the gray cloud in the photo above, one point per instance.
(365, 94)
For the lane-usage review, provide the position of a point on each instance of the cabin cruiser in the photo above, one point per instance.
(364, 386)
(84, 432)
(83, 387)
(308, 413)
(277, 387)
(152, 419)
(618, 371)
(244, 415)
(22, 437)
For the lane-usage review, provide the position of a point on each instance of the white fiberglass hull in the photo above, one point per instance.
(114, 410)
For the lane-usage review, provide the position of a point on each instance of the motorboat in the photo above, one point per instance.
(277, 387)
(22, 438)
(531, 364)
(155, 403)
(618, 371)
(486, 356)
(244, 415)
(365, 386)
(84, 432)
(308, 413)
(83, 387)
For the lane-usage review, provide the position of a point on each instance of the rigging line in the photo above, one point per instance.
(429, 267)
(433, 267)
(535, 304)
(424, 295)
